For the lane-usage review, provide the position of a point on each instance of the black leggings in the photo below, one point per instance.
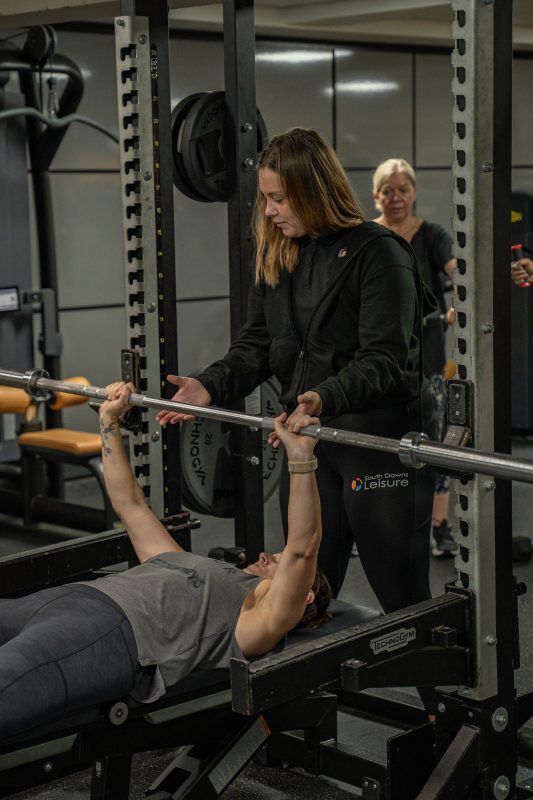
(61, 649)
(370, 497)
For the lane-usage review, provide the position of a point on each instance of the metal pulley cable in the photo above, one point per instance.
(58, 122)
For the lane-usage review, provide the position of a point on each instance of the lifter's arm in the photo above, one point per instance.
(284, 604)
(148, 536)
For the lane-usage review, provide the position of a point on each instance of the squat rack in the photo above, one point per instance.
(478, 757)
(486, 757)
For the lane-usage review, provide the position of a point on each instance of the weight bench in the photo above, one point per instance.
(196, 715)
(59, 445)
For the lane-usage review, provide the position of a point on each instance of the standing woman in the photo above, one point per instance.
(335, 316)
(394, 185)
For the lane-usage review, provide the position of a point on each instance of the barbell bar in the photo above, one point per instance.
(414, 450)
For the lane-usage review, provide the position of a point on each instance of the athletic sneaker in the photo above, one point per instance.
(443, 541)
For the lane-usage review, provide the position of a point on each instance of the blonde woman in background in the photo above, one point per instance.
(394, 189)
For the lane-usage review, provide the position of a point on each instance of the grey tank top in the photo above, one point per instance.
(183, 609)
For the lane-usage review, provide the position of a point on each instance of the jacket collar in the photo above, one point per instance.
(326, 239)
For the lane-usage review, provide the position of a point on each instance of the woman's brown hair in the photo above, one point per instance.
(316, 613)
(318, 191)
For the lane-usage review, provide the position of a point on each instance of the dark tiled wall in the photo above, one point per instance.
(371, 103)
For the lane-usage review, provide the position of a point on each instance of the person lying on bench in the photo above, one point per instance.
(142, 630)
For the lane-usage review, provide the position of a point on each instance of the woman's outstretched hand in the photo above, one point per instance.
(190, 391)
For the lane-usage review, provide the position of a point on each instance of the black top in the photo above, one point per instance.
(318, 263)
(433, 248)
(359, 349)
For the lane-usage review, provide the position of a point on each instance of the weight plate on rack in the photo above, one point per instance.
(207, 462)
(202, 145)
(180, 176)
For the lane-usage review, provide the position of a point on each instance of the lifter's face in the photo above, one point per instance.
(265, 566)
(277, 206)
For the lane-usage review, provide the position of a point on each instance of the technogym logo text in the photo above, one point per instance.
(386, 480)
(393, 641)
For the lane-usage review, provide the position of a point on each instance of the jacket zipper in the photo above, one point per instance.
(302, 344)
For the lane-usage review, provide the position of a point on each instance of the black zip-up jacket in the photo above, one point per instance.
(361, 347)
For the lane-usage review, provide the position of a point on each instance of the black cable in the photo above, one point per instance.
(40, 74)
(58, 122)
(15, 36)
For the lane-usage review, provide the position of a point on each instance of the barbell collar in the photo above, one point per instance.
(408, 451)
(31, 376)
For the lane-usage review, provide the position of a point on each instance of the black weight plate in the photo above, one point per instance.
(207, 462)
(202, 146)
(180, 175)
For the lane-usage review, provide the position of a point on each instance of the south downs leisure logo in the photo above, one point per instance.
(385, 480)
(392, 641)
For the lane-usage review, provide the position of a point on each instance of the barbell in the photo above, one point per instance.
(414, 450)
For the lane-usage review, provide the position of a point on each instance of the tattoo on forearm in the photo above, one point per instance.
(108, 432)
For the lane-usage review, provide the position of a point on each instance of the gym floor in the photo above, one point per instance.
(257, 782)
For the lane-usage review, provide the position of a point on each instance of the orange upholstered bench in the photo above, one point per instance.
(13, 401)
(63, 440)
(60, 445)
